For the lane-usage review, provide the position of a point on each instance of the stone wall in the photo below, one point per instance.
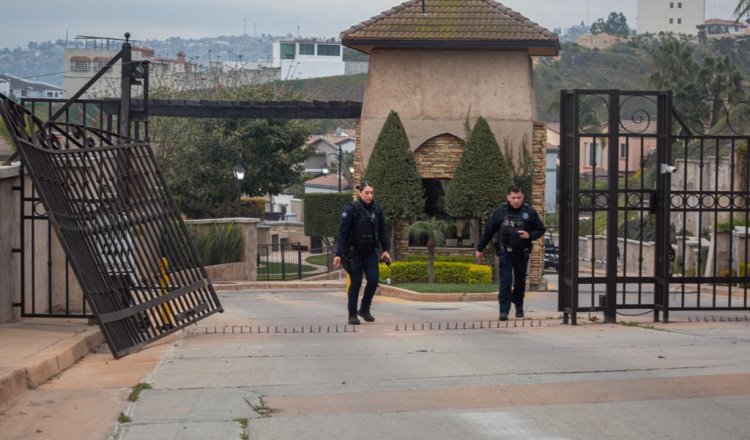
(438, 158)
(535, 278)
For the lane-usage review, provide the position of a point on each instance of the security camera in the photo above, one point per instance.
(668, 169)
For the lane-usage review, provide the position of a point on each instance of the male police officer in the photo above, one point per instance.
(512, 227)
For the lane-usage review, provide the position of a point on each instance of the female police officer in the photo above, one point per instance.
(361, 232)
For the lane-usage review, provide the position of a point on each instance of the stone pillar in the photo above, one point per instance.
(359, 170)
(535, 278)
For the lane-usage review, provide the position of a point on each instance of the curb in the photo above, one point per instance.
(249, 285)
(396, 292)
(48, 363)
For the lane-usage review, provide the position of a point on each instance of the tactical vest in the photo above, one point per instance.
(507, 236)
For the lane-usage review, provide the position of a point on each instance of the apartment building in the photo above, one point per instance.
(303, 59)
(675, 16)
(81, 63)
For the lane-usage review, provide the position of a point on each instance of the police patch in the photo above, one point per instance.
(343, 214)
(525, 215)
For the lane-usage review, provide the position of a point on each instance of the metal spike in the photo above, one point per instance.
(285, 330)
(498, 324)
(294, 330)
(439, 325)
(396, 326)
(689, 320)
(473, 325)
(423, 326)
(413, 326)
(540, 323)
(268, 327)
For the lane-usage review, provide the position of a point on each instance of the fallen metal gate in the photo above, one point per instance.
(119, 227)
(649, 219)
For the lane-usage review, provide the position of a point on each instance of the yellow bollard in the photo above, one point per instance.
(164, 281)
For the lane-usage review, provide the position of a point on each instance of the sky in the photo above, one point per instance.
(43, 20)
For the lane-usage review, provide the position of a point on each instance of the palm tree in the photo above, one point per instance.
(742, 9)
(435, 232)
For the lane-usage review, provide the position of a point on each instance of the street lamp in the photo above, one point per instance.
(339, 158)
(239, 174)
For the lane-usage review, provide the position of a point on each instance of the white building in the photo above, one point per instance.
(308, 59)
(675, 16)
(5, 86)
(21, 88)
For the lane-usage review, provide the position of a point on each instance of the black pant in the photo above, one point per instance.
(512, 266)
(362, 264)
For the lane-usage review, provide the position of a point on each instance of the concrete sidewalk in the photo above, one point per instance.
(34, 350)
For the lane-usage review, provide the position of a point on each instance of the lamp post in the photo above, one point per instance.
(339, 158)
(239, 174)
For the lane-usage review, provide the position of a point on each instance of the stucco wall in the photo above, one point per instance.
(433, 91)
(9, 225)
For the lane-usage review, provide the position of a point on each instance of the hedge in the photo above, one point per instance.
(445, 272)
(323, 213)
(444, 258)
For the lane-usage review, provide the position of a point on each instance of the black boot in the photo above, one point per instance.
(365, 314)
(353, 320)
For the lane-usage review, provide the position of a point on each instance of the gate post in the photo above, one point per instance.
(610, 311)
(662, 208)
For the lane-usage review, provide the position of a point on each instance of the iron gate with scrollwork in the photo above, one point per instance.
(652, 216)
(109, 205)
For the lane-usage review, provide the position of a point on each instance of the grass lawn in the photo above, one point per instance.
(272, 271)
(320, 260)
(449, 288)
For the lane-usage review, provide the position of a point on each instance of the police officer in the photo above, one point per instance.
(512, 227)
(360, 258)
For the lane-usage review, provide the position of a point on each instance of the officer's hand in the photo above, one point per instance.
(523, 234)
(336, 261)
(479, 255)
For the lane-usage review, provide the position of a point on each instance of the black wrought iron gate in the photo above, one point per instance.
(117, 223)
(649, 220)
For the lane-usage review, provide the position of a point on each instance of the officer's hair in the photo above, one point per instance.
(515, 188)
(363, 184)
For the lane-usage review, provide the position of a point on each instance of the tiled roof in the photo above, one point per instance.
(329, 181)
(452, 24)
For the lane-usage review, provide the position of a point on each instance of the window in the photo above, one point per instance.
(671, 21)
(679, 5)
(287, 51)
(590, 154)
(80, 64)
(671, 5)
(332, 50)
(623, 149)
(23, 92)
(679, 21)
(306, 49)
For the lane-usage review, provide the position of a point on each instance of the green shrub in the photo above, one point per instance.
(323, 213)
(385, 271)
(445, 272)
(252, 207)
(744, 273)
(217, 243)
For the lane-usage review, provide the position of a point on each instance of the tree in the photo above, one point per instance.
(616, 24)
(522, 174)
(435, 232)
(393, 172)
(742, 9)
(197, 155)
(722, 83)
(481, 178)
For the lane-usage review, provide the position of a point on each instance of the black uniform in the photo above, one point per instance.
(513, 251)
(356, 262)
